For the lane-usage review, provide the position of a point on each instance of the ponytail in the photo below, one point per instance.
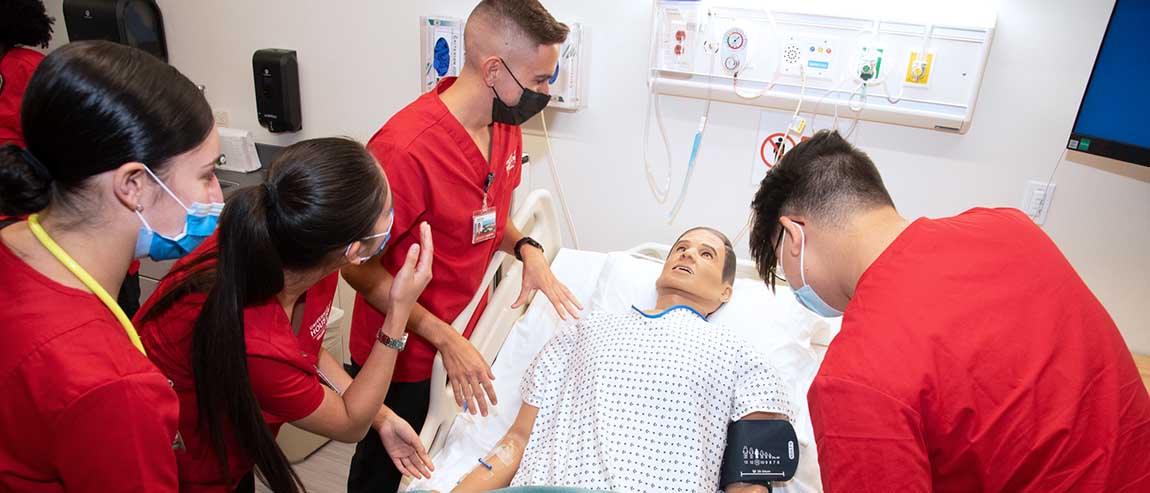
(248, 272)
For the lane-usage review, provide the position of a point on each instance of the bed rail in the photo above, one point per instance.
(537, 218)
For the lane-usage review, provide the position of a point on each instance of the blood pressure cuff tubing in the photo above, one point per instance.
(759, 452)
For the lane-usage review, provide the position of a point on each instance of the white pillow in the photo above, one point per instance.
(625, 281)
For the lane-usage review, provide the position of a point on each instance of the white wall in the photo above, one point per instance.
(358, 64)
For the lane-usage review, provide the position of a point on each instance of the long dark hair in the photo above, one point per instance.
(24, 23)
(90, 107)
(320, 195)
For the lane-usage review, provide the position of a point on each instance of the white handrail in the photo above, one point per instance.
(537, 218)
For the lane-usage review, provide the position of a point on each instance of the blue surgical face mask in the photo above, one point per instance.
(199, 223)
(806, 294)
(386, 235)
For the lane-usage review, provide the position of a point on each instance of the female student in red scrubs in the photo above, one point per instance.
(116, 140)
(238, 325)
(25, 23)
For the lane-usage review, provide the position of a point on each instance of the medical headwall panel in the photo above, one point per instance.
(566, 83)
(924, 72)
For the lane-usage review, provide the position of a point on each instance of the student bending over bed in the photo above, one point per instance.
(641, 401)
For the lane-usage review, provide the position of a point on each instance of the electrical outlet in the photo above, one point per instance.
(222, 117)
(1036, 200)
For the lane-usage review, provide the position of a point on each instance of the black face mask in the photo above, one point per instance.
(530, 104)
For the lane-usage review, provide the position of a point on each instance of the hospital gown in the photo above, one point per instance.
(635, 403)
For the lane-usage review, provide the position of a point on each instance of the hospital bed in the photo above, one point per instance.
(508, 339)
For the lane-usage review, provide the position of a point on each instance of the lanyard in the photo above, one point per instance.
(84, 277)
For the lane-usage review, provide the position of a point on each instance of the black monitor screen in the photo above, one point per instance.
(1112, 120)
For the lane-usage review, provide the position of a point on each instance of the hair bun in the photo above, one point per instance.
(25, 183)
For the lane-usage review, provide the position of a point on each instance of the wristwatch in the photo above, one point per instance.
(396, 344)
(526, 240)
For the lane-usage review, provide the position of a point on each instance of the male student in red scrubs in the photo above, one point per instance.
(453, 157)
(971, 358)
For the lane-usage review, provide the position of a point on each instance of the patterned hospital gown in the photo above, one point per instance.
(634, 403)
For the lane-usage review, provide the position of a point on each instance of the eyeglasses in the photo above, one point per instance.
(386, 235)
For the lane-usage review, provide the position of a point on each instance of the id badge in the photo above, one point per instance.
(482, 225)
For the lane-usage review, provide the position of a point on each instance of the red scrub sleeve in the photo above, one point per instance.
(408, 181)
(867, 440)
(118, 437)
(283, 390)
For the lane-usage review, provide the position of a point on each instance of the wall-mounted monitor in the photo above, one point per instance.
(1112, 119)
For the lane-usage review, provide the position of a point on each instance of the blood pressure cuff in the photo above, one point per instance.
(759, 451)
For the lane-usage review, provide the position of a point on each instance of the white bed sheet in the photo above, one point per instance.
(774, 323)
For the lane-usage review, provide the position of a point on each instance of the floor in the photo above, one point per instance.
(324, 471)
(1143, 363)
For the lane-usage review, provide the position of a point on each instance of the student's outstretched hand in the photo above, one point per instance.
(468, 373)
(403, 445)
(537, 276)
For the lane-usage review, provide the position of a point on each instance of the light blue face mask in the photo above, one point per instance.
(386, 235)
(806, 294)
(199, 223)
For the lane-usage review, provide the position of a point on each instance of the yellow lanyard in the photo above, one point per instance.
(84, 277)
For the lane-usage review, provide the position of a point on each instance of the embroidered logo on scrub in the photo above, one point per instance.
(320, 326)
(510, 162)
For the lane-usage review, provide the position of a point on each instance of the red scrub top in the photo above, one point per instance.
(437, 175)
(16, 67)
(281, 365)
(973, 358)
(82, 409)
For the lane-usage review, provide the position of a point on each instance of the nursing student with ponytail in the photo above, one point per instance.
(238, 324)
(120, 155)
